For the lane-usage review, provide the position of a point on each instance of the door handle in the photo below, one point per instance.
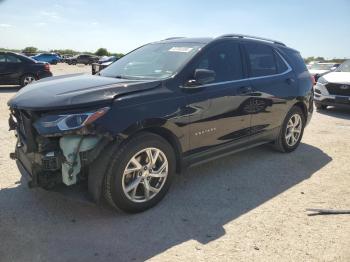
(245, 90)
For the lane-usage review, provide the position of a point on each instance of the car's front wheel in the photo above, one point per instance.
(291, 131)
(140, 173)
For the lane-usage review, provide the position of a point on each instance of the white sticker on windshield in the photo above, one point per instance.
(181, 49)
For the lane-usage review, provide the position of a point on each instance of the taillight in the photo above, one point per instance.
(47, 67)
(313, 80)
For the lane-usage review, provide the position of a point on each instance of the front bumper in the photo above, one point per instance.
(332, 100)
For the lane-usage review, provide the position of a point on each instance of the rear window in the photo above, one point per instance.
(261, 60)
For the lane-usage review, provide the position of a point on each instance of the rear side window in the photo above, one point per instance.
(296, 60)
(225, 60)
(261, 60)
(281, 65)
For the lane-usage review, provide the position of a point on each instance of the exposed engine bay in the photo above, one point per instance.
(55, 158)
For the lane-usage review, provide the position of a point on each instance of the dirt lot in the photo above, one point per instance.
(245, 207)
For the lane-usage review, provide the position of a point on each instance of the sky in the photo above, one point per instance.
(315, 28)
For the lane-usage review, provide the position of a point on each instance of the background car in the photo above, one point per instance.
(319, 69)
(102, 63)
(82, 59)
(49, 58)
(333, 89)
(16, 69)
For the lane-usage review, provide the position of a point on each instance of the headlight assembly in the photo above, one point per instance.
(322, 81)
(50, 124)
(320, 87)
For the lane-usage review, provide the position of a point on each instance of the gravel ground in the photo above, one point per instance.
(246, 207)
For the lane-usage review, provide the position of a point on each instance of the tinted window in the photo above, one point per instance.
(225, 60)
(281, 65)
(13, 59)
(261, 59)
(295, 60)
(2, 58)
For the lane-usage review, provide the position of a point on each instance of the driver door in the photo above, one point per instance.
(219, 114)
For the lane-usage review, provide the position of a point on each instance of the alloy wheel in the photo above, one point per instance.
(145, 175)
(293, 130)
(28, 79)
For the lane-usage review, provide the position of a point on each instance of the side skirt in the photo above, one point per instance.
(228, 149)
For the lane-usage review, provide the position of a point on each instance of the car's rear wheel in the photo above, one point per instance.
(27, 79)
(291, 131)
(140, 173)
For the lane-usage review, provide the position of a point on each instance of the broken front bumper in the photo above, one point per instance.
(66, 164)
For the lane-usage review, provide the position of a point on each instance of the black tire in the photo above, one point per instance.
(24, 77)
(281, 143)
(320, 106)
(54, 63)
(113, 183)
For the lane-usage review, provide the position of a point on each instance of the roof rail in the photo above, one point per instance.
(173, 38)
(252, 37)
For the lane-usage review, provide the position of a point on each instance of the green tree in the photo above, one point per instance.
(30, 49)
(101, 52)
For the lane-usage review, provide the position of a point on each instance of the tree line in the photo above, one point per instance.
(324, 60)
(32, 50)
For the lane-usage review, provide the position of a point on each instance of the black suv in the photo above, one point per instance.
(16, 69)
(165, 106)
(82, 59)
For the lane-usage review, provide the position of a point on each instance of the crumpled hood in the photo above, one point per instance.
(71, 91)
(338, 77)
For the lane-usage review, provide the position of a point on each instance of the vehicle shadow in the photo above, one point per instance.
(343, 113)
(9, 89)
(199, 204)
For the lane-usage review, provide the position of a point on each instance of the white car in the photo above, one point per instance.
(333, 89)
(320, 69)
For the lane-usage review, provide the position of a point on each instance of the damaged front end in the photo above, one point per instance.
(57, 148)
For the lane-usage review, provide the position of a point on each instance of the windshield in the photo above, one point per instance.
(153, 61)
(321, 66)
(344, 67)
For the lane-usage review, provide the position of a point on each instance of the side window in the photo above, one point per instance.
(281, 65)
(225, 60)
(261, 60)
(2, 58)
(13, 59)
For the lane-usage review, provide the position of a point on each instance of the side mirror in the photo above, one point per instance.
(201, 77)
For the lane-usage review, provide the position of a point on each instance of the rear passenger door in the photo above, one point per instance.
(273, 84)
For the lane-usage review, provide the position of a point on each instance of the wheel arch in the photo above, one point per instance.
(303, 108)
(171, 138)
